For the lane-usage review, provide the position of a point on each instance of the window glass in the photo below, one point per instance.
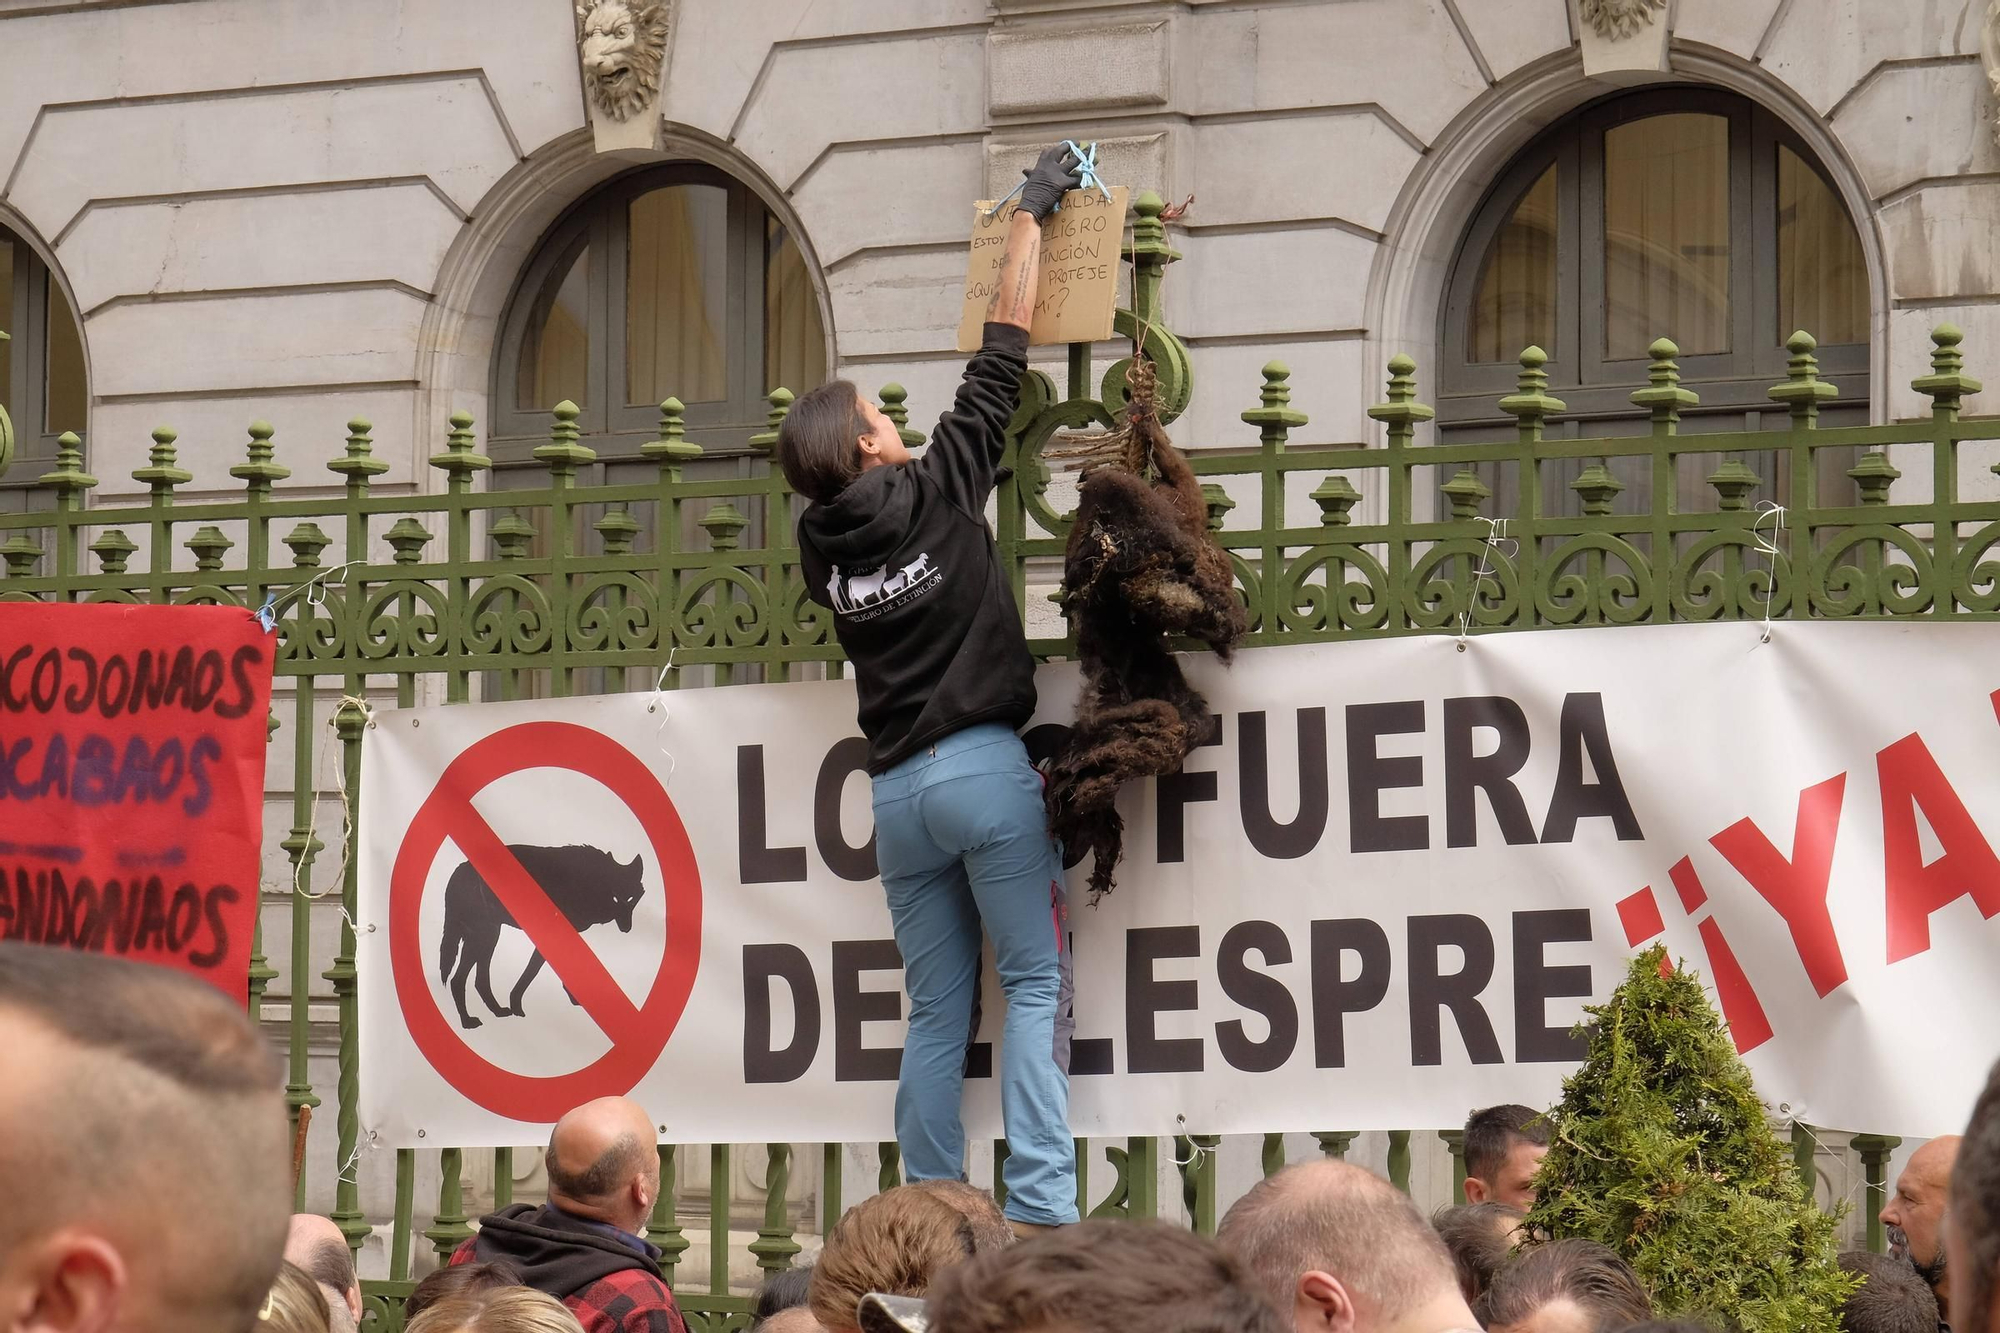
(794, 343)
(555, 354)
(68, 402)
(1822, 279)
(1515, 304)
(1666, 234)
(676, 292)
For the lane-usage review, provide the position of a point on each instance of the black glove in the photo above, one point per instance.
(1053, 174)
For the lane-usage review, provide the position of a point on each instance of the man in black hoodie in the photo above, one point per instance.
(584, 1246)
(898, 548)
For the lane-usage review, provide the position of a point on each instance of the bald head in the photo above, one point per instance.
(142, 1112)
(1330, 1220)
(603, 1162)
(317, 1246)
(1915, 1216)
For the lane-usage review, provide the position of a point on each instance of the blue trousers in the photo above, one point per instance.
(962, 842)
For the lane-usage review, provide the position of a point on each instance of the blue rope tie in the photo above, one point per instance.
(1087, 177)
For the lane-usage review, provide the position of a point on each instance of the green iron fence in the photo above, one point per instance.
(571, 586)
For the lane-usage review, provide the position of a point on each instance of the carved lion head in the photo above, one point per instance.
(623, 44)
(1619, 19)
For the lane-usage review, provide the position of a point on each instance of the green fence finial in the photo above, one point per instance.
(618, 528)
(307, 541)
(1531, 403)
(1335, 496)
(209, 546)
(67, 478)
(1598, 488)
(1466, 493)
(766, 439)
(21, 553)
(460, 460)
(1663, 393)
(407, 538)
(1402, 412)
(512, 535)
(1733, 481)
(1275, 418)
(261, 471)
(160, 473)
(896, 407)
(1873, 476)
(723, 522)
(672, 448)
(1803, 390)
(358, 464)
(113, 549)
(563, 454)
(1947, 384)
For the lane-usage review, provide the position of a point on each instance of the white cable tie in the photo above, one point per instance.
(1496, 535)
(1774, 511)
(660, 703)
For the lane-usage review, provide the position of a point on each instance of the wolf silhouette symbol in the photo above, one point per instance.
(590, 887)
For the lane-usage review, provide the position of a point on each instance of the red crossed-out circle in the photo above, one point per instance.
(638, 1035)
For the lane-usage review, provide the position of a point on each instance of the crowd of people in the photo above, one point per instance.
(143, 1147)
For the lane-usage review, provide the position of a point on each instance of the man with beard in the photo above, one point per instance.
(1915, 1217)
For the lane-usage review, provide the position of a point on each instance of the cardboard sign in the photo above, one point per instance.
(1078, 291)
(132, 781)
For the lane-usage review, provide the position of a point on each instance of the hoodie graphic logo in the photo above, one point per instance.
(866, 594)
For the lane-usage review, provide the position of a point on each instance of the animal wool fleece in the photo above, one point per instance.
(1140, 566)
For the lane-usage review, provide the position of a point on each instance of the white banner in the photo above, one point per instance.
(1380, 899)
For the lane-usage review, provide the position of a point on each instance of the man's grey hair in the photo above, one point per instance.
(1336, 1218)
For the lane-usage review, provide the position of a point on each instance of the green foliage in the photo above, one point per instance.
(1662, 1151)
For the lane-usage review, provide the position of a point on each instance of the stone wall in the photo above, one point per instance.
(312, 210)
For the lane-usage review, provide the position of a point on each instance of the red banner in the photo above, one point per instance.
(131, 778)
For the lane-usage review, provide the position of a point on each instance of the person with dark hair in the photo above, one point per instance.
(1336, 1249)
(1915, 1215)
(1565, 1286)
(895, 1243)
(316, 1245)
(1480, 1237)
(1972, 1220)
(586, 1246)
(1892, 1297)
(782, 1303)
(458, 1279)
(990, 1229)
(1104, 1277)
(898, 549)
(1504, 1147)
(143, 1149)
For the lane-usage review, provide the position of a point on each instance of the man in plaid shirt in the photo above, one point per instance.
(584, 1245)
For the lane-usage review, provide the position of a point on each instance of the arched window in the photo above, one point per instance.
(1691, 214)
(671, 281)
(42, 377)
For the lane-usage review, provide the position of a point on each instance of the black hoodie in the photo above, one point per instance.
(557, 1253)
(905, 561)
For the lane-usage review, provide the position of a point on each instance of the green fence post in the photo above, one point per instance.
(1400, 414)
(302, 844)
(1334, 1143)
(451, 1228)
(664, 1229)
(775, 1245)
(1454, 1140)
(69, 481)
(718, 1219)
(1875, 1150)
(1399, 1159)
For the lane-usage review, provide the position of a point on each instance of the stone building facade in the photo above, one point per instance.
(309, 210)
